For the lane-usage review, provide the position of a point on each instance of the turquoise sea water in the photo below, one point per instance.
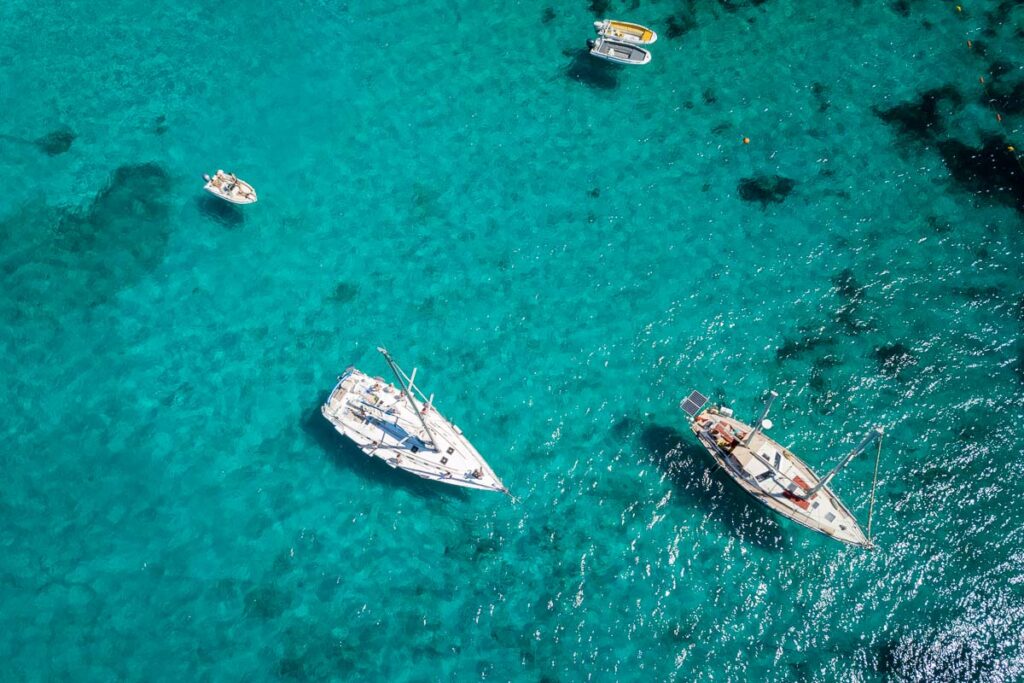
(564, 249)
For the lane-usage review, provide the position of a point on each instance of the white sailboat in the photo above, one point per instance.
(775, 476)
(401, 426)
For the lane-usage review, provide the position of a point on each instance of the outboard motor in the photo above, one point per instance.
(591, 44)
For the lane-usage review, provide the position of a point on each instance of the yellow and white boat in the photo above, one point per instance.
(625, 32)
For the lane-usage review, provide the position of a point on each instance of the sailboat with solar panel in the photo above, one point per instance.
(773, 474)
(401, 426)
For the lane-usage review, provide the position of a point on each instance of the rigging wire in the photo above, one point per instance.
(874, 484)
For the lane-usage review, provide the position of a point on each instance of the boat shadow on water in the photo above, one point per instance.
(220, 211)
(592, 72)
(700, 484)
(346, 455)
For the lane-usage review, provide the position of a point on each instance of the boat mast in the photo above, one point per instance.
(875, 433)
(400, 376)
(757, 427)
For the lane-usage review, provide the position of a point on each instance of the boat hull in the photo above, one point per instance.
(625, 32)
(823, 512)
(227, 198)
(619, 53)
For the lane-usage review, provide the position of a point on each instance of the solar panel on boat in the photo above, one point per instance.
(692, 404)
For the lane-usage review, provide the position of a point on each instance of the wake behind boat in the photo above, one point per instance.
(230, 188)
(625, 32)
(772, 474)
(389, 423)
(620, 53)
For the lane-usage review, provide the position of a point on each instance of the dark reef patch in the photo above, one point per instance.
(160, 125)
(57, 141)
(816, 381)
(935, 662)
(345, 292)
(820, 93)
(732, 6)
(939, 226)
(548, 15)
(992, 171)
(766, 189)
(310, 653)
(846, 286)
(709, 96)
(594, 73)
(791, 348)
(979, 295)
(599, 7)
(266, 602)
(623, 428)
(999, 68)
(73, 259)
(1007, 99)
(921, 117)
(679, 25)
(594, 192)
(893, 359)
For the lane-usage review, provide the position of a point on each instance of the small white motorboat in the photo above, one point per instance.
(620, 53)
(230, 188)
(625, 32)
